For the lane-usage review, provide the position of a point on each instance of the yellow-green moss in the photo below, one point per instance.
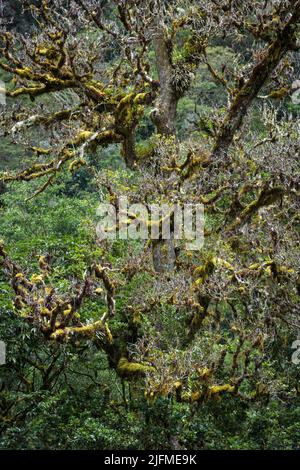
(216, 389)
(126, 368)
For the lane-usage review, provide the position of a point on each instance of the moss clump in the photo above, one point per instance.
(128, 369)
(82, 136)
(204, 271)
(216, 389)
(26, 72)
(204, 373)
(76, 164)
(195, 396)
(40, 150)
(36, 278)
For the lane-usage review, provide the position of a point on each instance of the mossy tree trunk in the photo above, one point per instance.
(164, 117)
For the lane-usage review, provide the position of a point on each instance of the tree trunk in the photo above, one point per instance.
(129, 152)
(164, 117)
(166, 104)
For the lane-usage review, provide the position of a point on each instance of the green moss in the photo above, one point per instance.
(128, 369)
(216, 389)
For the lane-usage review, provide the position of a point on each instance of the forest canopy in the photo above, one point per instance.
(145, 343)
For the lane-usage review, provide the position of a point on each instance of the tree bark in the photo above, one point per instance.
(164, 117)
(129, 151)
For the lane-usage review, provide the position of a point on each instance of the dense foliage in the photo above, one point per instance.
(140, 344)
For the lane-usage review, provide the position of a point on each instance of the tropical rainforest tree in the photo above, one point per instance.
(91, 74)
